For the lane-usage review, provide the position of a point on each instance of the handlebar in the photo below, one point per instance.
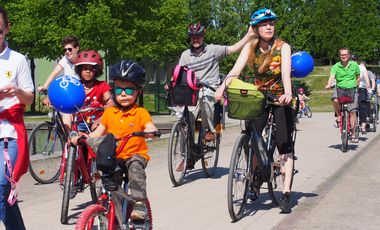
(204, 84)
(88, 109)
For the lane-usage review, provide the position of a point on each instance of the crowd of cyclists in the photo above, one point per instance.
(267, 57)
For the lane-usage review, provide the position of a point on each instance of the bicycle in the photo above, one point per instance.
(306, 110)
(77, 169)
(184, 152)
(347, 96)
(104, 214)
(46, 145)
(373, 112)
(254, 162)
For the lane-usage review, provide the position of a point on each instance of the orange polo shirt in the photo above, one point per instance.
(121, 124)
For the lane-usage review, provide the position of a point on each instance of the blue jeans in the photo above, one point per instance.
(10, 215)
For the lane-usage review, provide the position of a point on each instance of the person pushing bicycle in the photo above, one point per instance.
(270, 59)
(121, 120)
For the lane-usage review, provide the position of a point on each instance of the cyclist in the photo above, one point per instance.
(302, 97)
(16, 91)
(270, 59)
(203, 59)
(70, 46)
(346, 74)
(89, 67)
(124, 118)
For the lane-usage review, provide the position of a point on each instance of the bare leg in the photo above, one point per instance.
(336, 107)
(353, 121)
(288, 168)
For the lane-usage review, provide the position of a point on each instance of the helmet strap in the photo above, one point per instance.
(198, 50)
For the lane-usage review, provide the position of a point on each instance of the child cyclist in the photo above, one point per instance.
(89, 67)
(124, 118)
(302, 97)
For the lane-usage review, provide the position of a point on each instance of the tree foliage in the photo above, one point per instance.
(156, 29)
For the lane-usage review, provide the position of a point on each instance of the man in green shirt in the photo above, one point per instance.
(346, 74)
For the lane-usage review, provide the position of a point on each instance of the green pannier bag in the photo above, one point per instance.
(245, 101)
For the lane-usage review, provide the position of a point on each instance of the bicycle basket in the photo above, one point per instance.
(345, 96)
(245, 101)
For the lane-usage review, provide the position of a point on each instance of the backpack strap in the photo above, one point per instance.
(192, 83)
(177, 69)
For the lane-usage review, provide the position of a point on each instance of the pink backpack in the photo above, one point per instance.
(183, 87)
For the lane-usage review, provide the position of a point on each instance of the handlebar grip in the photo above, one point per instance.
(142, 134)
(44, 92)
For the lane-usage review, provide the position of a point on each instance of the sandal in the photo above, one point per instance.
(354, 140)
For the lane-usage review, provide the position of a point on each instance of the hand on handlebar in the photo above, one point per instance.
(219, 94)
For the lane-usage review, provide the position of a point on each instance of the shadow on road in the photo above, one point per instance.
(339, 146)
(196, 174)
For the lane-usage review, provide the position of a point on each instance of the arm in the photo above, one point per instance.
(51, 77)
(285, 74)
(330, 81)
(373, 84)
(366, 79)
(240, 44)
(107, 97)
(235, 71)
(23, 96)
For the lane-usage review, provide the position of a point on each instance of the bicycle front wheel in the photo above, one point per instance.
(374, 117)
(238, 178)
(308, 112)
(68, 186)
(96, 182)
(344, 131)
(46, 145)
(210, 155)
(93, 217)
(178, 152)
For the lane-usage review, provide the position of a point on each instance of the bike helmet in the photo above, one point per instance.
(89, 57)
(262, 15)
(128, 71)
(300, 90)
(196, 29)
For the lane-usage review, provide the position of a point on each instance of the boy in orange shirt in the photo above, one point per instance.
(126, 117)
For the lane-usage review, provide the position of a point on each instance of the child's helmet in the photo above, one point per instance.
(262, 15)
(90, 57)
(300, 90)
(127, 70)
(196, 29)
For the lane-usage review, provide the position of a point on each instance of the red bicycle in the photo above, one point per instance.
(78, 167)
(114, 208)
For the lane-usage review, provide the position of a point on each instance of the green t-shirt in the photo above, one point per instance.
(346, 77)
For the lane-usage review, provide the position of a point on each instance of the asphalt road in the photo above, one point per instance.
(201, 203)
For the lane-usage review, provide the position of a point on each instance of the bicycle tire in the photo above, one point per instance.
(96, 183)
(238, 175)
(344, 132)
(178, 151)
(299, 114)
(68, 184)
(374, 119)
(46, 145)
(93, 214)
(308, 112)
(210, 156)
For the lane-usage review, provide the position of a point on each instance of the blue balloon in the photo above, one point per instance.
(302, 64)
(66, 94)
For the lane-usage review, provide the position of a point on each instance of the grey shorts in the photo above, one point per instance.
(351, 106)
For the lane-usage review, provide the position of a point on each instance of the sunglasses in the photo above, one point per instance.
(68, 49)
(128, 91)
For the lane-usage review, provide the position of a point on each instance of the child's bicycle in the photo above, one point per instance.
(183, 151)
(254, 162)
(306, 110)
(105, 214)
(78, 167)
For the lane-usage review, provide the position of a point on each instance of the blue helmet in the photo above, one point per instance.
(262, 15)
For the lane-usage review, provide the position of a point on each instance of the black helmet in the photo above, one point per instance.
(128, 71)
(196, 29)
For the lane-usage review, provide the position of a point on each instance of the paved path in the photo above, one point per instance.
(201, 203)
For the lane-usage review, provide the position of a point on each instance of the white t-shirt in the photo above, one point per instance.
(68, 67)
(362, 81)
(15, 70)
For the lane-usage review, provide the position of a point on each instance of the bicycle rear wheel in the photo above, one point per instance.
(308, 112)
(93, 217)
(178, 152)
(46, 145)
(68, 185)
(344, 131)
(238, 178)
(210, 155)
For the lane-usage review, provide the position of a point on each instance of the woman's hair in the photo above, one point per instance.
(264, 58)
(70, 40)
(4, 15)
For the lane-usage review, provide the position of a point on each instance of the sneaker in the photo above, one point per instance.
(285, 203)
(210, 136)
(336, 124)
(139, 211)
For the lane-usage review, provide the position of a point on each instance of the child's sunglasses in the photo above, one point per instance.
(128, 91)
